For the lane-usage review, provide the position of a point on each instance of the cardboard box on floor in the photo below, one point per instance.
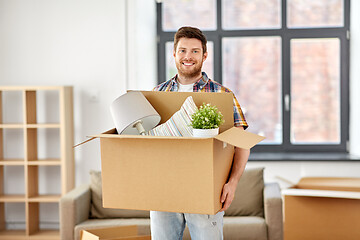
(322, 208)
(113, 233)
(174, 174)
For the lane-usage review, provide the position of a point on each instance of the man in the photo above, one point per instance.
(190, 53)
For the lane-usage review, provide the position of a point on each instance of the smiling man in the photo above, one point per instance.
(190, 52)
(189, 58)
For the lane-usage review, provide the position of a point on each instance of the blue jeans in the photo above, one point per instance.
(170, 226)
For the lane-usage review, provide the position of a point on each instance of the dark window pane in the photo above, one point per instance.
(251, 69)
(196, 13)
(254, 14)
(208, 65)
(319, 13)
(315, 91)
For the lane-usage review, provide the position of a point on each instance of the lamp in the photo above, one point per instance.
(133, 114)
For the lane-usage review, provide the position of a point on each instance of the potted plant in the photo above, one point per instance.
(206, 121)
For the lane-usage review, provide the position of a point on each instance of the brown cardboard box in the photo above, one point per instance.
(113, 233)
(322, 208)
(174, 174)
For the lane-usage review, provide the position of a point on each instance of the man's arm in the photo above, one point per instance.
(241, 157)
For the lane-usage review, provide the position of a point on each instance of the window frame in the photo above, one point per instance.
(286, 35)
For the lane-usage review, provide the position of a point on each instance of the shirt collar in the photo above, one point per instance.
(202, 81)
(198, 84)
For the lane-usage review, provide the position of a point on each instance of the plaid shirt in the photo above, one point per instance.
(204, 84)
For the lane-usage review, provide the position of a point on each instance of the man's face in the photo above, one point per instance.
(189, 57)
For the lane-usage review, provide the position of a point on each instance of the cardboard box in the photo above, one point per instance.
(113, 233)
(322, 208)
(174, 174)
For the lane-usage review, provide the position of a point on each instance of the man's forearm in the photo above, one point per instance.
(239, 162)
(241, 157)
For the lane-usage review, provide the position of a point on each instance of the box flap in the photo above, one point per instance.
(239, 138)
(90, 138)
(320, 193)
(120, 232)
(330, 183)
(85, 235)
(234, 136)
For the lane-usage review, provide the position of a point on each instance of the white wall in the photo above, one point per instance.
(355, 78)
(69, 42)
(66, 42)
(103, 48)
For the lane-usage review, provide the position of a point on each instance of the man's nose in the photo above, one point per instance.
(188, 55)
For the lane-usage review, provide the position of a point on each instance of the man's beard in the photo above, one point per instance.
(188, 74)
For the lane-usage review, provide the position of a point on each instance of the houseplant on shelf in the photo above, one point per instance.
(206, 121)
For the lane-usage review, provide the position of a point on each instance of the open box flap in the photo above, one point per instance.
(113, 233)
(112, 133)
(330, 183)
(234, 136)
(90, 138)
(320, 193)
(239, 138)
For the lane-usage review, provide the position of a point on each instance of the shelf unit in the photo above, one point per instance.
(34, 153)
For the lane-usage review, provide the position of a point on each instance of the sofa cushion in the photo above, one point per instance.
(98, 211)
(245, 228)
(249, 199)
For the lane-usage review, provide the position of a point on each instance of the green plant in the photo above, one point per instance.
(207, 117)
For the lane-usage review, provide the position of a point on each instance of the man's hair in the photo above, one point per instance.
(190, 32)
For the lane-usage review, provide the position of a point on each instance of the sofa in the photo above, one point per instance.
(255, 213)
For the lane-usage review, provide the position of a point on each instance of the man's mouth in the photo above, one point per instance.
(187, 64)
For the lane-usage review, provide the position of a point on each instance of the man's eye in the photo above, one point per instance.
(182, 51)
(195, 51)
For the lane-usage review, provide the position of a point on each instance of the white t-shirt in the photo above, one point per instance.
(186, 88)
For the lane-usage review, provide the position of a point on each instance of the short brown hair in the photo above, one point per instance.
(190, 32)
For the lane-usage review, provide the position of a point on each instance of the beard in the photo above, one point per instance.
(189, 73)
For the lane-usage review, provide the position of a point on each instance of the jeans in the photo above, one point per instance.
(170, 226)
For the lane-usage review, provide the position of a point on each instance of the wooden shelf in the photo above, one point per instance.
(44, 162)
(12, 198)
(21, 234)
(37, 162)
(12, 162)
(43, 125)
(32, 88)
(12, 234)
(46, 235)
(11, 125)
(62, 100)
(45, 198)
(37, 198)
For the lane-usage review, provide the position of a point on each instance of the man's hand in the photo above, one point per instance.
(228, 195)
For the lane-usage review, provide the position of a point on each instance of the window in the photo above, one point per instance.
(287, 61)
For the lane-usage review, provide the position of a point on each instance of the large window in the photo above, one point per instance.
(287, 62)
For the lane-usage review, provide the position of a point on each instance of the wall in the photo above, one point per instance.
(355, 78)
(68, 42)
(79, 43)
(103, 48)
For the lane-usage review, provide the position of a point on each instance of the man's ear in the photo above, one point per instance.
(174, 54)
(205, 56)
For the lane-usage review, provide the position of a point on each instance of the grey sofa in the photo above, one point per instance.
(256, 212)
